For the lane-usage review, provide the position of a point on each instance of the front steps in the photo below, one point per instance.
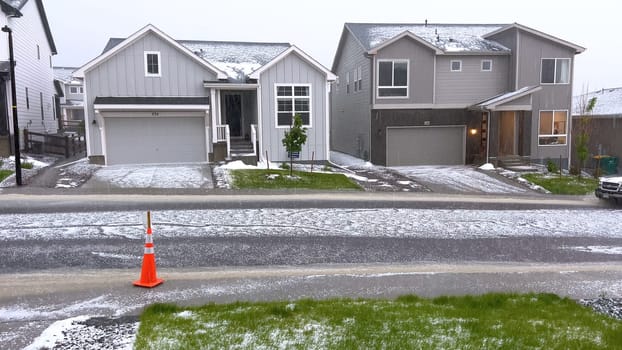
(242, 149)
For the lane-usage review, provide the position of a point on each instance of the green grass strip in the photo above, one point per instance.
(491, 321)
(279, 179)
(5, 173)
(565, 184)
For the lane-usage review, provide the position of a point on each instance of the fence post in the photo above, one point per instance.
(66, 146)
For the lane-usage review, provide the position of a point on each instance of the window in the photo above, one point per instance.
(360, 76)
(456, 66)
(486, 65)
(555, 71)
(50, 61)
(41, 103)
(76, 90)
(347, 82)
(38, 52)
(27, 100)
(356, 80)
(393, 78)
(292, 100)
(152, 64)
(553, 128)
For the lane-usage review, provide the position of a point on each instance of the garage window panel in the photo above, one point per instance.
(392, 79)
(291, 100)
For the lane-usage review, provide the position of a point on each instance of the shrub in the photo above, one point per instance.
(551, 166)
(26, 165)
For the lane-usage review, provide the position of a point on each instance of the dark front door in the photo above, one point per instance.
(233, 113)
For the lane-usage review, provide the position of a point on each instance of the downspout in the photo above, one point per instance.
(488, 118)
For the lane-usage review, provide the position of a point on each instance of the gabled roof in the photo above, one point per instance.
(64, 74)
(13, 7)
(293, 49)
(578, 49)
(608, 102)
(136, 36)
(448, 38)
(498, 100)
(237, 59)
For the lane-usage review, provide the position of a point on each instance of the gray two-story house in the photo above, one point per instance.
(424, 94)
(152, 99)
(71, 102)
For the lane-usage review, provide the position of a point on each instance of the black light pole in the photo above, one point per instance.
(18, 161)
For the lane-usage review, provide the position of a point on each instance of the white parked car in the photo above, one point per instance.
(610, 188)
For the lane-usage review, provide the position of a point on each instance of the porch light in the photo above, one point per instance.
(473, 131)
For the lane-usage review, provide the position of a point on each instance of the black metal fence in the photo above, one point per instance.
(64, 145)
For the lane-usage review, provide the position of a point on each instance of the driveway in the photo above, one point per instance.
(461, 179)
(172, 176)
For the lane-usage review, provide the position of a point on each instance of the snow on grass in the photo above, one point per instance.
(347, 160)
(424, 223)
(55, 333)
(487, 166)
(459, 178)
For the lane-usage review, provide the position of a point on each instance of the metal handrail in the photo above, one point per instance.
(254, 138)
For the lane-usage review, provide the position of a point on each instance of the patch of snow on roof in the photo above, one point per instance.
(64, 74)
(447, 37)
(505, 96)
(236, 59)
(608, 102)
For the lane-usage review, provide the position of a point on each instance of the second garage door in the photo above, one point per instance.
(155, 140)
(426, 145)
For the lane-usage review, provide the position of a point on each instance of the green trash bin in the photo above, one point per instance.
(609, 165)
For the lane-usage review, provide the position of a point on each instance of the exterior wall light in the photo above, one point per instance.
(473, 131)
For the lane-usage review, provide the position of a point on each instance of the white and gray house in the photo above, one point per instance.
(33, 48)
(424, 94)
(70, 104)
(152, 99)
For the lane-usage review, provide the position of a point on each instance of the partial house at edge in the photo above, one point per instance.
(414, 94)
(70, 106)
(604, 123)
(33, 48)
(152, 99)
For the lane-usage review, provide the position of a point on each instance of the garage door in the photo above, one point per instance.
(155, 140)
(426, 145)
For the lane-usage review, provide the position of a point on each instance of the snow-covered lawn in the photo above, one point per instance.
(37, 165)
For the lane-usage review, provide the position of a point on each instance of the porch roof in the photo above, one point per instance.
(499, 102)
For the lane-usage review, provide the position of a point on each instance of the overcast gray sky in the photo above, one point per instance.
(81, 28)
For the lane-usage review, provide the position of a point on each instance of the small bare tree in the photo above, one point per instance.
(294, 139)
(585, 106)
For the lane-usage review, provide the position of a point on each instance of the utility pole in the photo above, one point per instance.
(18, 160)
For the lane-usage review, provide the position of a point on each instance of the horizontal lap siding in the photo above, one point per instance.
(293, 70)
(350, 113)
(470, 85)
(123, 75)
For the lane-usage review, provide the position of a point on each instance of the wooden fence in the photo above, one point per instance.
(64, 145)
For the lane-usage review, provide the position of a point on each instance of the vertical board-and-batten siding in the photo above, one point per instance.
(551, 97)
(471, 84)
(123, 75)
(293, 70)
(420, 71)
(32, 72)
(351, 113)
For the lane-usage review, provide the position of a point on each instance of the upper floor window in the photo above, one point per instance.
(347, 82)
(152, 64)
(455, 66)
(27, 100)
(359, 82)
(76, 90)
(356, 80)
(553, 128)
(38, 52)
(392, 78)
(486, 65)
(555, 71)
(292, 99)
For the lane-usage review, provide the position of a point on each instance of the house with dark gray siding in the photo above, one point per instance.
(419, 94)
(150, 98)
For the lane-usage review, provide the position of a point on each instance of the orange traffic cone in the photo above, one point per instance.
(148, 276)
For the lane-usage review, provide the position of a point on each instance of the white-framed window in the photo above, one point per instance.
(292, 99)
(152, 64)
(38, 52)
(486, 65)
(455, 65)
(356, 80)
(392, 78)
(555, 71)
(347, 82)
(76, 90)
(553, 128)
(360, 76)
